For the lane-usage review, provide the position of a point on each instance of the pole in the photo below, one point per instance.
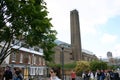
(62, 63)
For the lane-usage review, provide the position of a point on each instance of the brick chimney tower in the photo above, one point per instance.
(75, 35)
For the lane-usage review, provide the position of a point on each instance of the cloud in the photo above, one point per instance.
(107, 38)
(91, 13)
(116, 50)
(97, 12)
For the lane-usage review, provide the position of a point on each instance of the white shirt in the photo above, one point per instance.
(54, 78)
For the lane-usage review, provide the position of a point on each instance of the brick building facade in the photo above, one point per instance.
(29, 59)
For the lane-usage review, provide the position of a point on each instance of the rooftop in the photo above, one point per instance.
(66, 45)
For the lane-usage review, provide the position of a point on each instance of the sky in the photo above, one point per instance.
(99, 23)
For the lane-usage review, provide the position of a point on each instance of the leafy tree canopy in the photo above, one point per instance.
(82, 66)
(25, 20)
(94, 65)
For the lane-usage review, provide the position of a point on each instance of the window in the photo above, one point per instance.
(29, 61)
(34, 59)
(13, 57)
(71, 56)
(43, 62)
(39, 60)
(41, 50)
(21, 58)
(24, 45)
(36, 49)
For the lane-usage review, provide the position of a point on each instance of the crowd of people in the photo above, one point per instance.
(88, 75)
(101, 75)
(8, 74)
(15, 74)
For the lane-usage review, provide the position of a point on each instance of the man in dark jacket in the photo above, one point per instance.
(7, 74)
(116, 75)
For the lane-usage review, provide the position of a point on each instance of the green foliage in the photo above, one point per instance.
(70, 65)
(66, 66)
(53, 65)
(82, 66)
(94, 65)
(113, 67)
(26, 20)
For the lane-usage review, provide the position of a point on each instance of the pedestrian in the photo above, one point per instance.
(116, 75)
(17, 74)
(102, 75)
(85, 75)
(111, 72)
(18, 77)
(1, 72)
(73, 75)
(91, 75)
(7, 74)
(97, 75)
(54, 73)
(107, 75)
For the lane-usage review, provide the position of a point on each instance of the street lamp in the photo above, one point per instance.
(62, 60)
(101, 62)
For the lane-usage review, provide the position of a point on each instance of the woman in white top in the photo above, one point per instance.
(54, 74)
(91, 75)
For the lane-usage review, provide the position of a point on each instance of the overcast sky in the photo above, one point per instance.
(99, 23)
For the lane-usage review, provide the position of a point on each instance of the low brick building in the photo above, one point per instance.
(29, 59)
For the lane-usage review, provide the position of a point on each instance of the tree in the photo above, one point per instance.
(25, 20)
(94, 65)
(82, 66)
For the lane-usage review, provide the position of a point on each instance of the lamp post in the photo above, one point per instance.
(62, 60)
(101, 62)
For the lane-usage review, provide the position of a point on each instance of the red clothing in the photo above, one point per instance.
(73, 75)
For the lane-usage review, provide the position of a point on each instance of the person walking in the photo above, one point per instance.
(102, 75)
(18, 77)
(73, 75)
(91, 75)
(116, 75)
(1, 73)
(97, 75)
(54, 74)
(7, 74)
(107, 75)
(17, 74)
(85, 75)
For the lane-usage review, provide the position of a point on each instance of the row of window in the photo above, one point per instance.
(36, 71)
(29, 59)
